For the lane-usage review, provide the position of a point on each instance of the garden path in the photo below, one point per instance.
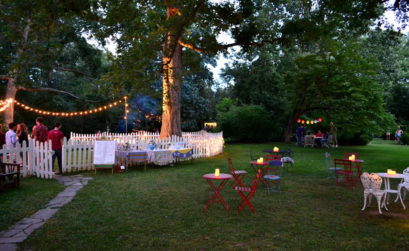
(21, 230)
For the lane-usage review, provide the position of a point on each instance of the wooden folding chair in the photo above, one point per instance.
(250, 193)
(345, 172)
(237, 174)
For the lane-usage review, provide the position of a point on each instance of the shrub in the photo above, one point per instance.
(246, 123)
(362, 138)
(405, 138)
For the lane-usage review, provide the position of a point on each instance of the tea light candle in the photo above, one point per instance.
(217, 172)
(352, 157)
(276, 149)
(391, 172)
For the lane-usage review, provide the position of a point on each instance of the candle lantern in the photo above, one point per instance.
(276, 149)
(299, 121)
(217, 172)
(302, 122)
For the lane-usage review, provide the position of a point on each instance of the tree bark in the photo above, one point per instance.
(172, 83)
(8, 114)
(290, 125)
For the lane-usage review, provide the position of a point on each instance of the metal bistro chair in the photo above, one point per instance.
(308, 141)
(252, 156)
(273, 176)
(372, 186)
(331, 169)
(237, 174)
(251, 190)
(346, 171)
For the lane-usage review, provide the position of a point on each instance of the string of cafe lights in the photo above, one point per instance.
(4, 104)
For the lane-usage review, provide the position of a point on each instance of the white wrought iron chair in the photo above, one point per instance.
(404, 184)
(308, 141)
(372, 186)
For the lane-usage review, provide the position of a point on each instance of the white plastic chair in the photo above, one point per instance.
(372, 186)
(404, 184)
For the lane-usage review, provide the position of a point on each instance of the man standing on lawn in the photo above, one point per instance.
(39, 131)
(11, 139)
(56, 136)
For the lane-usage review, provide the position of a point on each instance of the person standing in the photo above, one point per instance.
(11, 139)
(398, 134)
(333, 134)
(300, 133)
(22, 133)
(56, 136)
(40, 131)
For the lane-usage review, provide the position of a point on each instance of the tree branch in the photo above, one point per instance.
(190, 46)
(46, 89)
(73, 71)
(257, 44)
(183, 24)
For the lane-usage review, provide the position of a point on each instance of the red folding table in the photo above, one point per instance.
(260, 166)
(217, 197)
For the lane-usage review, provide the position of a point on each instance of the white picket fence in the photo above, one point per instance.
(35, 159)
(77, 153)
(204, 144)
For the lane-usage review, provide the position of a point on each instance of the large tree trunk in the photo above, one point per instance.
(8, 114)
(172, 83)
(290, 125)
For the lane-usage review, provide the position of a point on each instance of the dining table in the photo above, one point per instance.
(283, 152)
(223, 178)
(386, 178)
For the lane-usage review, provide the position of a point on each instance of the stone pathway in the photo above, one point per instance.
(21, 230)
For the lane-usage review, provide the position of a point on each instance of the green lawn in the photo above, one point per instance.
(162, 209)
(32, 195)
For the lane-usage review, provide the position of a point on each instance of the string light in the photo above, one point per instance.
(4, 104)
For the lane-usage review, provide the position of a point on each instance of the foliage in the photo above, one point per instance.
(359, 138)
(245, 123)
(405, 138)
(225, 105)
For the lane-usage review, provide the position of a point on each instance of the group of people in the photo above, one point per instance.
(18, 133)
(330, 136)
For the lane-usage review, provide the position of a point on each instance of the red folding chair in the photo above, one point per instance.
(273, 157)
(237, 174)
(343, 168)
(250, 193)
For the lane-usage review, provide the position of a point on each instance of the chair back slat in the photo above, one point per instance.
(406, 175)
(376, 182)
(271, 157)
(366, 181)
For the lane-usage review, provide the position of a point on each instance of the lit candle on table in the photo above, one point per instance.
(217, 172)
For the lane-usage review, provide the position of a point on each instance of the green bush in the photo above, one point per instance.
(246, 123)
(405, 138)
(361, 139)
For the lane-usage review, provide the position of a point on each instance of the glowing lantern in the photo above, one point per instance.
(217, 172)
(315, 121)
(276, 149)
(391, 172)
(302, 122)
(312, 122)
(299, 120)
(319, 119)
(308, 122)
(260, 160)
(352, 157)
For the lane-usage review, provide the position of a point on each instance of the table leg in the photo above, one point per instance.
(216, 197)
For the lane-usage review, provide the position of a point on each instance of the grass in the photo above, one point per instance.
(162, 209)
(32, 195)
